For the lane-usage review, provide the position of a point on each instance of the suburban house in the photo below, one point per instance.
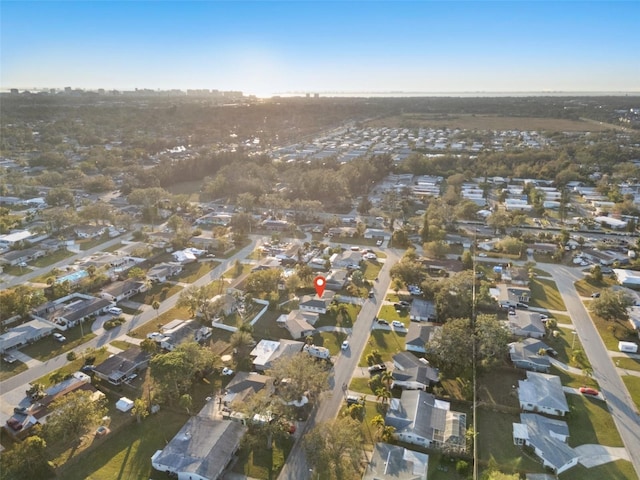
(548, 438)
(161, 272)
(511, 296)
(526, 324)
(515, 275)
(184, 256)
(16, 238)
(422, 311)
(25, 334)
(202, 449)
(266, 351)
(336, 279)
(418, 335)
(117, 368)
(298, 323)
(122, 290)
(17, 257)
(526, 355)
(412, 373)
(181, 331)
(391, 462)
(19, 424)
(226, 302)
(541, 392)
(421, 419)
(90, 231)
(313, 304)
(70, 310)
(243, 386)
(346, 259)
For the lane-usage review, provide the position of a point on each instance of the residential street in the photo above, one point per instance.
(296, 467)
(605, 373)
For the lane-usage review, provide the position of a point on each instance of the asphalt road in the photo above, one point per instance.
(12, 389)
(614, 390)
(296, 467)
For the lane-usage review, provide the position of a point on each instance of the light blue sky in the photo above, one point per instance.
(270, 47)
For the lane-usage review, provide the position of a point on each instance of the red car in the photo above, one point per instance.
(589, 391)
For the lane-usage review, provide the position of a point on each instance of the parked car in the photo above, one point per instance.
(101, 430)
(352, 400)
(371, 294)
(9, 358)
(397, 323)
(115, 311)
(226, 371)
(399, 306)
(595, 295)
(345, 345)
(524, 306)
(380, 367)
(59, 337)
(21, 410)
(589, 391)
(382, 322)
(404, 303)
(88, 369)
(379, 243)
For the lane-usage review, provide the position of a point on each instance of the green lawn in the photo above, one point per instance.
(8, 370)
(48, 347)
(371, 269)
(89, 244)
(587, 285)
(122, 345)
(267, 327)
(613, 331)
(618, 470)
(193, 271)
(72, 367)
(633, 385)
(345, 316)
(158, 292)
(52, 258)
(258, 462)
(562, 318)
(163, 319)
(495, 440)
(386, 342)
(496, 387)
(573, 380)
(563, 343)
(590, 422)
(16, 271)
(389, 313)
(544, 294)
(231, 273)
(330, 340)
(627, 363)
(127, 453)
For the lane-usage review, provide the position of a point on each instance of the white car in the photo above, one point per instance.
(379, 243)
(115, 311)
(397, 323)
(345, 345)
(59, 337)
(226, 371)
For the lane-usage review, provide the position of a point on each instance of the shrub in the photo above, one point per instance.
(462, 467)
(71, 356)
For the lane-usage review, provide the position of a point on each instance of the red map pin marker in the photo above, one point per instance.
(319, 282)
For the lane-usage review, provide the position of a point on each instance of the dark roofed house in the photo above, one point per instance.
(70, 310)
(16, 257)
(526, 354)
(117, 368)
(337, 279)
(243, 386)
(391, 462)
(526, 324)
(311, 303)
(419, 335)
(423, 311)
(421, 419)
(123, 290)
(412, 373)
(202, 449)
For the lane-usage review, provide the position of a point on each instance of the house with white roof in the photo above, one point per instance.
(541, 392)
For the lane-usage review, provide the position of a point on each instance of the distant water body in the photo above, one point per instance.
(457, 94)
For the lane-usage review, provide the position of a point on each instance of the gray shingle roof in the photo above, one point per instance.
(543, 390)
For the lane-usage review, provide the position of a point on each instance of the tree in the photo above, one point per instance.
(73, 414)
(493, 340)
(186, 402)
(596, 273)
(611, 305)
(136, 273)
(304, 374)
(197, 299)
(149, 346)
(334, 448)
(436, 249)
(140, 409)
(451, 347)
(242, 341)
(26, 460)
(156, 306)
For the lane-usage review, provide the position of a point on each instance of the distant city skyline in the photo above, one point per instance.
(266, 48)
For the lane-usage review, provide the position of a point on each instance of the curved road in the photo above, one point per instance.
(614, 390)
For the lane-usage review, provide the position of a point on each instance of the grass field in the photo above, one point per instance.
(618, 470)
(51, 258)
(496, 387)
(158, 292)
(561, 318)
(563, 343)
(386, 342)
(486, 122)
(590, 422)
(544, 294)
(573, 380)
(633, 385)
(256, 461)
(627, 363)
(8, 370)
(122, 345)
(48, 347)
(587, 285)
(613, 331)
(193, 271)
(72, 367)
(163, 319)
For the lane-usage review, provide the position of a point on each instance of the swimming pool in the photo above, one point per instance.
(73, 277)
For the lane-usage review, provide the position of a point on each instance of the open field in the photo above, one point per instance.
(486, 122)
(633, 385)
(587, 285)
(52, 258)
(590, 422)
(255, 461)
(187, 188)
(544, 294)
(386, 342)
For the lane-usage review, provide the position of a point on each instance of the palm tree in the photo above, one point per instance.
(240, 341)
(378, 422)
(382, 394)
(387, 379)
(156, 306)
(387, 433)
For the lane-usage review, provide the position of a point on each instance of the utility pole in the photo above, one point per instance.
(473, 368)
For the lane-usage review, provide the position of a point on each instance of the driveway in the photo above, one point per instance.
(594, 455)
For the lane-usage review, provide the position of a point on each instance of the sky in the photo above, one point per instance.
(266, 47)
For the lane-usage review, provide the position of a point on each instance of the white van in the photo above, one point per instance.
(115, 311)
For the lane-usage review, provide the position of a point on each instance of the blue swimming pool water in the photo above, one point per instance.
(73, 277)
